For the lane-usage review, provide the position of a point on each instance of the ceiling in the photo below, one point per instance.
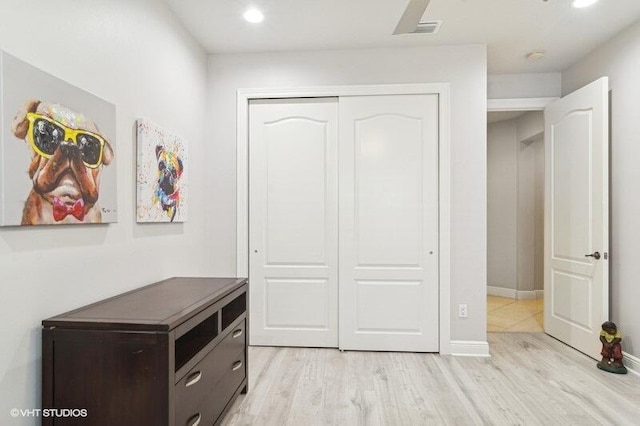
(510, 28)
(498, 116)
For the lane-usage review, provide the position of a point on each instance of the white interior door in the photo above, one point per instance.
(389, 223)
(293, 230)
(576, 283)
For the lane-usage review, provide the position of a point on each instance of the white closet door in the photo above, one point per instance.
(293, 232)
(389, 223)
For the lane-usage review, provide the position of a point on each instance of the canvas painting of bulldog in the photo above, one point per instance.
(67, 155)
(57, 150)
(161, 175)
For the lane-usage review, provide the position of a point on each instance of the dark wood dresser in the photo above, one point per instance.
(172, 353)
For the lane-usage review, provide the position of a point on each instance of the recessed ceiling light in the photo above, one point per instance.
(582, 3)
(253, 15)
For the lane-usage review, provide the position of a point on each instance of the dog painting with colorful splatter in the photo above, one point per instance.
(167, 192)
(162, 180)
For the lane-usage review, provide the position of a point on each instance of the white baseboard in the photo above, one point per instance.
(501, 292)
(469, 348)
(514, 294)
(530, 295)
(632, 363)
(526, 295)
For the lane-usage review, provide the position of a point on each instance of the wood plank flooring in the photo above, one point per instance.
(531, 379)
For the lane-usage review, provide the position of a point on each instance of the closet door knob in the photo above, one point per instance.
(595, 255)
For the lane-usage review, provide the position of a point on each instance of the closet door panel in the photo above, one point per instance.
(388, 223)
(293, 211)
(388, 160)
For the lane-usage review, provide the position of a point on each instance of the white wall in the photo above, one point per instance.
(530, 125)
(510, 86)
(538, 246)
(463, 66)
(530, 212)
(502, 190)
(619, 59)
(135, 55)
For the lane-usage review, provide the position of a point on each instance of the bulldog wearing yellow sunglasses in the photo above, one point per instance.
(68, 154)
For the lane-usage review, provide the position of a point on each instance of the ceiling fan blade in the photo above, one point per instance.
(411, 16)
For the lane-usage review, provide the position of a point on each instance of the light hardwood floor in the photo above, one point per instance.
(504, 314)
(531, 379)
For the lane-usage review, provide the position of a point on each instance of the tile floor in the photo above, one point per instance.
(504, 314)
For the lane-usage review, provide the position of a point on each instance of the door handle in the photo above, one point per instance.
(595, 255)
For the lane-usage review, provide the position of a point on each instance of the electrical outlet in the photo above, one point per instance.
(462, 311)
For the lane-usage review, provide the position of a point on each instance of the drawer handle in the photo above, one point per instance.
(193, 379)
(194, 420)
(236, 365)
(237, 333)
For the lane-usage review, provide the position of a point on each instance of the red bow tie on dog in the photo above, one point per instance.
(61, 210)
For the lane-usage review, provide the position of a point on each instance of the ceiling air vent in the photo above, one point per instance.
(431, 27)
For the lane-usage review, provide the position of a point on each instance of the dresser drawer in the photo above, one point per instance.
(202, 378)
(207, 411)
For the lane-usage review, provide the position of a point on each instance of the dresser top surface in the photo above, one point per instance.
(159, 306)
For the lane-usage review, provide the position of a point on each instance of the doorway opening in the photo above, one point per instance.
(576, 218)
(515, 218)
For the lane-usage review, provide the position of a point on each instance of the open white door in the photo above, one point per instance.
(576, 281)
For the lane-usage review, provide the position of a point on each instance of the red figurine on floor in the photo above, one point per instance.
(611, 349)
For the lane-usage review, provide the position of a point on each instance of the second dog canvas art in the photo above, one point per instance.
(161, 175)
